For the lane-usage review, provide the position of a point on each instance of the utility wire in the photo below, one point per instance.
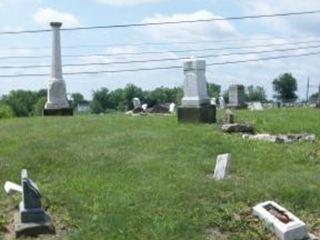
(166, 22)
(161, 59)
(159, 52)
(223, 40)
(164, 68)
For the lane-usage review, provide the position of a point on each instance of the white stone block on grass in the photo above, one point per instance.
(12, 188)
(283, 223)
(136, 102)
(222, 168)
(172, 107)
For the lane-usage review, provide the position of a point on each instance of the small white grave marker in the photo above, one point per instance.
(256, 106)
(136, 103)
(222, 166)
(12, 188)
(172, 107)
(144, 107)
(282, 222)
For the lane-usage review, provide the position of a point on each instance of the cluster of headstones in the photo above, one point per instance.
(196, 105)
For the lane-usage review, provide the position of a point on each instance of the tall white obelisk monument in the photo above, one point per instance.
(57, 102)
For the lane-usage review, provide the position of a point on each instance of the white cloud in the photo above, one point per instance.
(127, 2)
(286, 25)
(189, 32)
(46, 15)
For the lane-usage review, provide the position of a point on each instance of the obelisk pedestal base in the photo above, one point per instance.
(203, 114)
(58, 112)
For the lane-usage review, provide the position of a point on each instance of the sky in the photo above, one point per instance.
(247, 35)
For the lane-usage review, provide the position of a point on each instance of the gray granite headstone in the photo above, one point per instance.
(33, 219)
(237, 96)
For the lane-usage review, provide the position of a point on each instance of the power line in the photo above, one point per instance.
(130, 25)
(164, 68)
(265, 59)
(161, 59)
(223, 40)
(160, 52)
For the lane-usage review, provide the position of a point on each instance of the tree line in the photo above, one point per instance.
(21, 103)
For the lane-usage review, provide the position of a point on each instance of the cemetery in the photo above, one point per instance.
(146, 177)
(215, 167)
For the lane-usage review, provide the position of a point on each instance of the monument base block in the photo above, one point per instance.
(33, 229)
(202, 114)
(58, 112)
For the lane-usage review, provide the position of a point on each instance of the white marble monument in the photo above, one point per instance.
(222, 168)
(195, 84)
(195, 105)
(57, 102)
(280, 221)
(136, 103)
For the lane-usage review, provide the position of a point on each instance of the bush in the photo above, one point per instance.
(6, 111)
(39, 106)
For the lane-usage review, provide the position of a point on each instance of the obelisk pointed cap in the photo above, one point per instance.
(55, 24)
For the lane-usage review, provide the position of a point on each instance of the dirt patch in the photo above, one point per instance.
(214, 234)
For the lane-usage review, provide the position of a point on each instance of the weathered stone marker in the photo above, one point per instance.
(229, 117)
(222, 168)
(196, 105)
(237, 96)
(33, 220)
(280, 221)
(136, 103)
(57, 102)
(12, 188)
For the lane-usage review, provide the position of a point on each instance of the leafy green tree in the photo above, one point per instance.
(225, 95)
(42, 93)
(21, 102)
(39, 106)
(6, 111)
(131, 91)
(76, 99)
(163, 95)
(117, 99)
(100, 101)
(257, 94)
(314, 97)
(213, 90)
(285, 87)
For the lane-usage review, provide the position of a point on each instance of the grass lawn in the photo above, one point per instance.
(118, 177)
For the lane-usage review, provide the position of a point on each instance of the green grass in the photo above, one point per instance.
(118, 177)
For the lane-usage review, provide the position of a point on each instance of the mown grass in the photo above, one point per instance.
(118, 177)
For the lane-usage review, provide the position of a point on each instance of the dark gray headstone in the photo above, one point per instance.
(33, 219)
